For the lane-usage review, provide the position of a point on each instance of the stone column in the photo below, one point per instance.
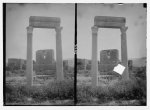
(84, 65)
(94, 69)
(124, 54)
(59, 61)
(29, 64)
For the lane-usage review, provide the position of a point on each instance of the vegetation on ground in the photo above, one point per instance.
(57, 90)
(133, 90)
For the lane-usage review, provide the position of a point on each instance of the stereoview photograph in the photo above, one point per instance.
(110, 67)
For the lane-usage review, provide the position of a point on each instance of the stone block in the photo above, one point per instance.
(44, 22)
(110, 56)
(45, 56)
(106, 67)
(44, 67)
(109, 21)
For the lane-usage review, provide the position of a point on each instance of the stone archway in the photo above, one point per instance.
(50, 23)
(108, 22)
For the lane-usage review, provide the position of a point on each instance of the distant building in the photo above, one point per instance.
(16, 64)
(45, 60)
(109, 56)
(139, 62)
(69, 62)
(130, 64)
(108, 60)
(45, 56)
(82, 64)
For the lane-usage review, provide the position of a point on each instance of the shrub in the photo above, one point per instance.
(37, 93)
(139, 72)
(21, 93)
(54, 90)
(105, 94)
(133, 89)
(84, 94)
(60, 90)
(129, 89)
(88, 94)
(14, 93)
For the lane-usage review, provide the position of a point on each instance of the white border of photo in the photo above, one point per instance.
(74, 107)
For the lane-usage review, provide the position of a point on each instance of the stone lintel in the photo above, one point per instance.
(102, 24)
(109, 19)
(44, 22)
(44, 19)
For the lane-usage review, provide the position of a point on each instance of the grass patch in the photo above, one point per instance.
(60, 90)
(57, 90)
(133, 89)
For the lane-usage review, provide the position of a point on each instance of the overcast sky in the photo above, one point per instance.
(110, 38)
(17, 19)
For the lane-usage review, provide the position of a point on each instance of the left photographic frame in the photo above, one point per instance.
(39, 54)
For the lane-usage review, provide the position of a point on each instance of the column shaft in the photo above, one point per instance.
(59, 61)
(29, 64)
(94, 69)
(124, 54)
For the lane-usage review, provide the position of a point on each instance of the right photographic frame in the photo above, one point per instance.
(111, 55)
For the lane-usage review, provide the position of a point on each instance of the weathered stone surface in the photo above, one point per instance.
(108, 60)
(45, 60)
(44, 19)
(94, 69)
(15, 64)
(59, 61)
(44, 22)
(109, 24)
(106, 67)
(130, 64)
(124, 53)
(45, 56)
(29, 67)
(110, 56)
(44, 67)
(109, 21)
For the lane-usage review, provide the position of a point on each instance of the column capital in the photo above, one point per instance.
(58, 29)
(29, 29)
(94, 29)
(123, 29)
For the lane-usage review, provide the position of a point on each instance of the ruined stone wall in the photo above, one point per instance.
(45, 56)
(45, 60)
(108, 60)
